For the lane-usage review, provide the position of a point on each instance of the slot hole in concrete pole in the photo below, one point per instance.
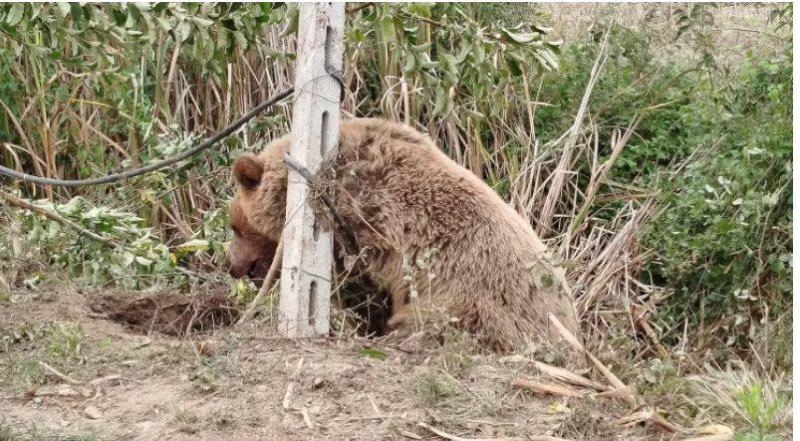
(328, 46)
(323, 140)
(312, 304)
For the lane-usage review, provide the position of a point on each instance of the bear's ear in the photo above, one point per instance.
(247, 171)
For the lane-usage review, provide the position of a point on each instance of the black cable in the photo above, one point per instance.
(151, 167)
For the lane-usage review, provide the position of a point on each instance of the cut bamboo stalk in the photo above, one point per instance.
(613, 379)
(547, 388)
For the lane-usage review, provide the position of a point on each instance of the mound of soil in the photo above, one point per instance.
(169, 313)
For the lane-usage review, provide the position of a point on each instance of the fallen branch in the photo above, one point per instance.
(63, 377)
(568, 376)
(21, 203)
(442, 434)
(25, 205)
(547, 388)
(578, 346)
(266, 286)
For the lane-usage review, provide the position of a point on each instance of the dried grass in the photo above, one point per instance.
(715, 391)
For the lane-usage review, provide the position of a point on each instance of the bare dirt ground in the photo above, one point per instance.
(111, 381)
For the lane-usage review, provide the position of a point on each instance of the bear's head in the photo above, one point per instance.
(257, 212)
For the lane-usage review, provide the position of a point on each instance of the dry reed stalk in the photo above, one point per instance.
(611, 261)
(554, 194)
(568, 376)
(578, 346)
(547, 388)
(649, 414)
(598, 177)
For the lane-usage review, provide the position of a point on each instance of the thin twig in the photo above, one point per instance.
(355, 9)
(578, 346)
(350, 242)
(25, 205)
(21, 203)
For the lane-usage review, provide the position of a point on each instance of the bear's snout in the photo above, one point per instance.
(237, 268)
(249, 256)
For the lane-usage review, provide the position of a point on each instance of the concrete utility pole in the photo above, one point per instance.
(308, 244)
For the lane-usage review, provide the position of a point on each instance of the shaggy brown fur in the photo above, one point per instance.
(403, 197)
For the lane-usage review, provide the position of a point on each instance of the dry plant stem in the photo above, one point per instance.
(5, 287)
(355, 9)
(557, 184)
(666, 425)
(597, 179)
(269, 280)
(547, 388)
(58, 374)
(649, 414)
(613, 379)
(442, 434)
(568, 376)
(641, 321)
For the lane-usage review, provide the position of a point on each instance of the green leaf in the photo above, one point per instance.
(164, 24)
(293, 22)
(421, 47)
(63, 8)
(513, 66)
(15, 14)
(387, 29)
(410, 64)
(143, 261)
(367, 351)
(183, 31)
(521, 37)
(193, 245)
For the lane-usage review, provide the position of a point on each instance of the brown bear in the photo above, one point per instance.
(436, 235)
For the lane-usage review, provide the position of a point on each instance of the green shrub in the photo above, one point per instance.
(723, 239)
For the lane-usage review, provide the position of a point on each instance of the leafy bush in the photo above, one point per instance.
(718, 149)
(132, 257)
(723, 239)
